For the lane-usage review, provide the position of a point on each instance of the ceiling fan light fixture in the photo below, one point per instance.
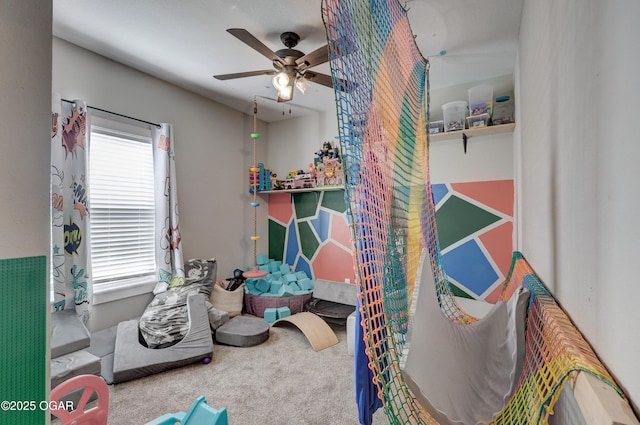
(285, 93)
(281, 81)
(302, 84)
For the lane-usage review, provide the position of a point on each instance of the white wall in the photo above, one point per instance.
(213, 153)
(25, 120)
(579, 79)
(487, 158)
(293, 142)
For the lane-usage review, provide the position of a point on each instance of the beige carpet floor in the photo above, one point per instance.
(282, 381)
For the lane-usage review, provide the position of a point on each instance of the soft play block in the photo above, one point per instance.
(284, 269)
(264, 268)
(276, 274)
(305, 284)
(285, 291)
(301, 275)
(290, 277)
(262, 285)
(262, 260)
(275, 286)
(274, 266)
(283, 312)
(294, 286)
(270, 315)
(250, 285)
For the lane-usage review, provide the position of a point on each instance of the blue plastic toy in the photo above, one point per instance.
(200, 413)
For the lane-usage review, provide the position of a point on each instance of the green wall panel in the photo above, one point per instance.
(306, 204)
(457, 219)
(334, 200)
(23, 327)
(308, 239)
(277, 235)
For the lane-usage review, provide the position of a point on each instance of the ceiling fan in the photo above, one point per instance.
(290, 66)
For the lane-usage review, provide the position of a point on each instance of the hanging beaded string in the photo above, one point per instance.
(255, 204)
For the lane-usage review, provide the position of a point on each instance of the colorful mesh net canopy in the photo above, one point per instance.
(381, 87)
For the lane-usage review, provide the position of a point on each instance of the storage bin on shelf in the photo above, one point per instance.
(477, 121)
(436, 127)
(454, 115)
(480, 100)
(503, 111)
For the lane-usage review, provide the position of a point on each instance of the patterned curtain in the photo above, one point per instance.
(169, 260)
(70, 259)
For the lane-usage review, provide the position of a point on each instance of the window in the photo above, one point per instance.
(122, 218)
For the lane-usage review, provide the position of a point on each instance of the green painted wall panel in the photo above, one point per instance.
(308, 239)
(277, 236)
(306, 204)
(23, 327)
(457, 219)
(334, 200)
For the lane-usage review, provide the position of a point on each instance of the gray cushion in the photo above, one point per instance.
(73, 364)
(337, 292)
(243, 331)
(68, 333)
(103, 343)
(132, 360)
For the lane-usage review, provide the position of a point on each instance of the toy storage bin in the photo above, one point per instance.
(480, 100)
(454, 114)
(477, 121)
(436, 127)
(503, 111)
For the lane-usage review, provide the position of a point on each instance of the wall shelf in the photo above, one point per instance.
(473, 132)
(307, 189)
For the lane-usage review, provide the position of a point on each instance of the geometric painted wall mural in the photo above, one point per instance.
(309, 231)
(475, 228)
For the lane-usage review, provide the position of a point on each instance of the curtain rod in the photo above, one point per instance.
(117, 114)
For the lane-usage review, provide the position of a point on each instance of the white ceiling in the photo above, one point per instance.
(186, 43)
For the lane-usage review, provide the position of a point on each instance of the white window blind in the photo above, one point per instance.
(122, 206)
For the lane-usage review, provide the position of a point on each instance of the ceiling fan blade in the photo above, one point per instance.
(244, 74)
(247, 38)
(325, 80)
(319, 78)
(317, 57)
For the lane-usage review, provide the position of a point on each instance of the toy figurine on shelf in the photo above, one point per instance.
(327, 151)
(328, 166)
(275, 183)
(330, 173)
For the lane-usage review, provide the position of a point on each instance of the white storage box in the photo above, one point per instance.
(503, 111)
(477, 121)
(480, 100)
(436, 127)
(454, 115)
